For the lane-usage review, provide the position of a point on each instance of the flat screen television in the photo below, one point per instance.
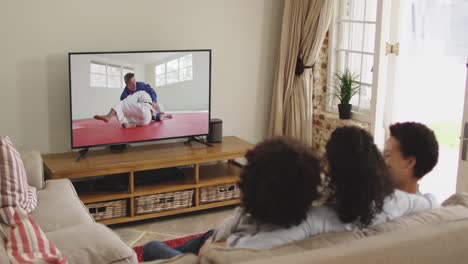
(126, 97)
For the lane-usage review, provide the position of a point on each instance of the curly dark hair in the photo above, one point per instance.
(280, 181)
(358, 179)
(419, 141)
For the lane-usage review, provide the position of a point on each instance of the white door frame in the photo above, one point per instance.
(462, 177)
(379, 86)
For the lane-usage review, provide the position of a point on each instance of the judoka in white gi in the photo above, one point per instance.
(135, 110)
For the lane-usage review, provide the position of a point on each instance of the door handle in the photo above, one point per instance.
(464, 143)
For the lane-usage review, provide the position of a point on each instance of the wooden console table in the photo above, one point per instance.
(203, 166)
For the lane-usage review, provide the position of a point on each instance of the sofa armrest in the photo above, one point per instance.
(92, 244)
(34, 168)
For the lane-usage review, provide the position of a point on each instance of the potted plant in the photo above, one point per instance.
(345, 87)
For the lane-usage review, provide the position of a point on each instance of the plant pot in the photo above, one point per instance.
(344, 111)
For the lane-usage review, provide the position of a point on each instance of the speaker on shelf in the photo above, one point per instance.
(215, 134)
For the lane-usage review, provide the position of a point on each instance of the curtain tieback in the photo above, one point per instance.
(300, 67)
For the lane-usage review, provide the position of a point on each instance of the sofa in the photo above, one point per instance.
(66, 222)
(436, 236)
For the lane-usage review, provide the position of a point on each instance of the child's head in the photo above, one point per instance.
(280, 181)
(358, 177)
(410, 152)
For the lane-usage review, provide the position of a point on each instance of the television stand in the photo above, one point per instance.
(199, 140)
(141, 174)
(119, 147)
(82, 154)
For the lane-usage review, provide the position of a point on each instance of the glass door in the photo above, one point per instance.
(426, 79)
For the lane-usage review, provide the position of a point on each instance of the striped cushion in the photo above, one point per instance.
(25, 241)
(14, 187)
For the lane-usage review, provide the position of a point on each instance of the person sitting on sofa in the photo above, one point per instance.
(278, 185)
(410, 153)
(361, 194)
(368, 197)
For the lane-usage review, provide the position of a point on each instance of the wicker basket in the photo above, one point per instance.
(163, 202)
(108, 210)
(219, 193)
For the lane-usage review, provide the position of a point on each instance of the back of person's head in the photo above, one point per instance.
(358, 179)
(418, 141)
(128, 77)
(280, 181)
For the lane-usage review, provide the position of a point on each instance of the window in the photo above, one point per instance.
(352, 46)
(174, 71)
(107, 75)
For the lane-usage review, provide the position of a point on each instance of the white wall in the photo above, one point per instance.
(37, 35)
(88, 101)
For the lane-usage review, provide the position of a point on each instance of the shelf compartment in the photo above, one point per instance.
(147, 184)
(218, 174)
(168, 213)
(102, 188)
(102, 196)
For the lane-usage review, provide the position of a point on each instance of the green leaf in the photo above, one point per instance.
(345, 86)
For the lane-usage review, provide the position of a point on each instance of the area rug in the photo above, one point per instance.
(172, 243)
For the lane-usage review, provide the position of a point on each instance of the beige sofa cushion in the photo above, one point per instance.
(182, 259)
(92, 243)
(3, 253)
(455, 212)
(433, 217)
(446, 243)
(454, 208)
(214, 254)
(34, 169)
(58, 207)
(457, 199)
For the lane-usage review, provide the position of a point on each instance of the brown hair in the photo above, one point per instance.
(280, 181)
(128, 77)
(358, 178)
(419, 141)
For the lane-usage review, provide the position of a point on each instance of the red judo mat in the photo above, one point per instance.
(90, 132)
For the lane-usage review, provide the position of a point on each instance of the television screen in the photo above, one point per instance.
(125, 97)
